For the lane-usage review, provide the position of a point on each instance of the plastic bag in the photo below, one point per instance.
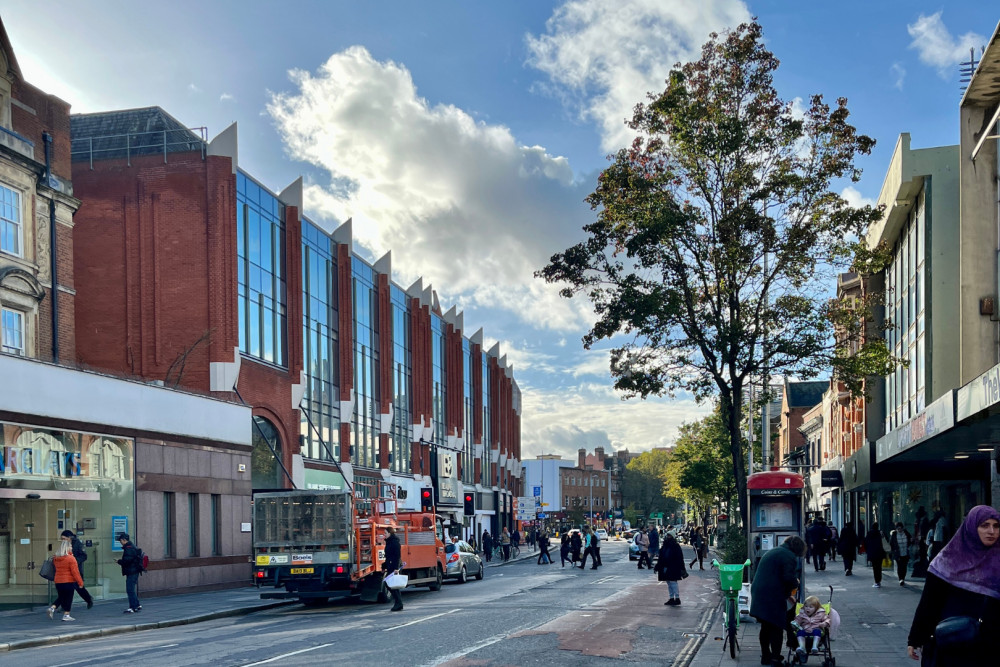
(396, 581)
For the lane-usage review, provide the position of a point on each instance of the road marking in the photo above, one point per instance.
(606, 579)
(287, 655)
(419, 620)
(166, 646)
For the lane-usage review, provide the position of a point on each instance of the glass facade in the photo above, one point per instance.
(438, 379)
(488, 475)
(905, 287)
(82, 482)
(320, 340)
(260, 232)
(399, 446)
(468, 415)
(365, 424)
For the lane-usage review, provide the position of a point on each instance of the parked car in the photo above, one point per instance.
(627, 534)
(633, 549)
(463, 562)
(602, 534)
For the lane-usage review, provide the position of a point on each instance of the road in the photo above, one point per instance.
(520, 614)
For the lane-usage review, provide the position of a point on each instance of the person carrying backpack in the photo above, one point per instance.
(132, 565)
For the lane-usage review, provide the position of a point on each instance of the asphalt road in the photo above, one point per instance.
(520, 614)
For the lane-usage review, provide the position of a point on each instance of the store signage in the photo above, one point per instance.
(37, 462)
(449, 486)
(979, 394)
(937, 418)
(831, 478)
(776, 492)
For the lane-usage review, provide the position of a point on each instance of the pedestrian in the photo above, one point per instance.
(642, 539)
(575, 545)
(940, 534)
(391, 564)
(833, 543)
(876, 552)
(899, 544)
(654, 544)
(505, 544)
(962, 592)
(80, 555)
(131, 568)
(588, 548)
(488, 545)
(564, 550)
(515, 538)
(776, 578)
(847, 545)
(67, 579)
(700, 548)
(670, 568)
(543, 545)
(816, 539)
(595, 549)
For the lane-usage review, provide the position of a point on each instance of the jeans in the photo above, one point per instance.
(819, 560)
(131, 587)
(673, 587)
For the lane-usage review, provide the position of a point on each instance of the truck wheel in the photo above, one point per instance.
(314, 602)
(436, 586)
(463, 576)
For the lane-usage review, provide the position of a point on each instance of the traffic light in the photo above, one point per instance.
(427, 499)
(470, 504)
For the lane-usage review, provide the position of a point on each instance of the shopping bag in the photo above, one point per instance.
(396, 581)
(47, 570)
(886, 562)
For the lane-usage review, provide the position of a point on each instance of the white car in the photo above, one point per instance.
(602, 534)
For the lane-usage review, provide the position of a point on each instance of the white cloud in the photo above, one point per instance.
(938, 48)
(603, 57)
(458, 201)
(562, 421)
(855, 199)
(193, 89)
(227, 97)
(899, 72)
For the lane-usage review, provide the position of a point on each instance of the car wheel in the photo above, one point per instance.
(463, 576)
(481, 573)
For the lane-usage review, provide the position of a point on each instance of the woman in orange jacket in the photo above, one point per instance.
(67, 579)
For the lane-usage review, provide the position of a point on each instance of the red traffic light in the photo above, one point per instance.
(426, 493)
(468, 498)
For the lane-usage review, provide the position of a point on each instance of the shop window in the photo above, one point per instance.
(169, 526)
(192, 524)
(216, 524)
(11, 229)
(12, 332)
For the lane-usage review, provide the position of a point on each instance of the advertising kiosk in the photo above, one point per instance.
(776, 512)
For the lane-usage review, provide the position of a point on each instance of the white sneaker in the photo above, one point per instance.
(67, 617)
(51, 612)
(876, 585)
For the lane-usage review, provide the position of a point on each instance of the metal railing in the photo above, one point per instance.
(140, 143)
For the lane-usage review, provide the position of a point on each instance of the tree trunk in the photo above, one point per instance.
(732, 405)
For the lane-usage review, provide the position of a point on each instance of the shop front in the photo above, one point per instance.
(55, 480)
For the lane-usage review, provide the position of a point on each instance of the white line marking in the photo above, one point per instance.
(419, 620)
(167, 646)
(287, 655)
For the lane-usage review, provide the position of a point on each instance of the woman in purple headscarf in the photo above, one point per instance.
(962, 580)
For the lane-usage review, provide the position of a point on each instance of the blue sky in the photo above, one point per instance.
(463, 136)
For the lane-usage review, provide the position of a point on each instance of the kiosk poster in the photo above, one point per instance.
(119, 524)
(774, 515)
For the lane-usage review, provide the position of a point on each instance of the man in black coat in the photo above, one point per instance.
(847, 545)
(776, 577)
(391, 564)
(816, 536)
(487, 545)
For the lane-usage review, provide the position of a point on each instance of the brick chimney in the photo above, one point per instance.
(582, 459)
(599, 453)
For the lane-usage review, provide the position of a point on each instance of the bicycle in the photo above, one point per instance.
(498, 552)
(731, 582)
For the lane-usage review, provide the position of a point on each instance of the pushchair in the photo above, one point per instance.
(823, 644)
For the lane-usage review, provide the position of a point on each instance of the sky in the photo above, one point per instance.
(464, 136)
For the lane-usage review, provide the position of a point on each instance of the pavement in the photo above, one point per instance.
(30, 628)
(874, 623)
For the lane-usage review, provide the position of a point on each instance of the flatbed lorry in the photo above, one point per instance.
(316, 545)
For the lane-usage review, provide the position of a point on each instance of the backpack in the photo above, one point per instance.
(142, 559)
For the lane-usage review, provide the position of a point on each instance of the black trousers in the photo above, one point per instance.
(589, 551)
(877, 569)
(901, 564)
(65, 599)
(397, 598)
(644, 557)
(84, 593)
(771, 637)
(819, 560)
(544, 554)
(597, 556)
(848, 564)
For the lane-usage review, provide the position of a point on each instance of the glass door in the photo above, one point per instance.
(23, 549)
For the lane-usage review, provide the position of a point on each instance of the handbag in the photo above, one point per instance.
(957, 631)
(396, 581)
(48, 570)
(886, 562)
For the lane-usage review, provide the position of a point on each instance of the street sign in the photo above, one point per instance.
(537, 491)
(525, 508)
(543, 515)
(544, 504)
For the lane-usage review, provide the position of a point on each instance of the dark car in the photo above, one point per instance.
(463, 561)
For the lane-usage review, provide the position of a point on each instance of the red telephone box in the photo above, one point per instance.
(776, 510)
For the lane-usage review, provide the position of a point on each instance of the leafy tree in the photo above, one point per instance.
(700, 470)
(711, 228)
(643, 482)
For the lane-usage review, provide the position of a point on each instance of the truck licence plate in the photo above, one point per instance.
(302, 570)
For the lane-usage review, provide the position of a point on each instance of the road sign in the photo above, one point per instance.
(543, 515)
(544, 504)
(537, 491)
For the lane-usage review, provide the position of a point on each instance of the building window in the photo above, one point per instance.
(192, 524)
(11, 231)
(169, 528)
(12, 332)
(216, 524)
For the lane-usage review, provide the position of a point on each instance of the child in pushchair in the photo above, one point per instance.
(814, 625)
